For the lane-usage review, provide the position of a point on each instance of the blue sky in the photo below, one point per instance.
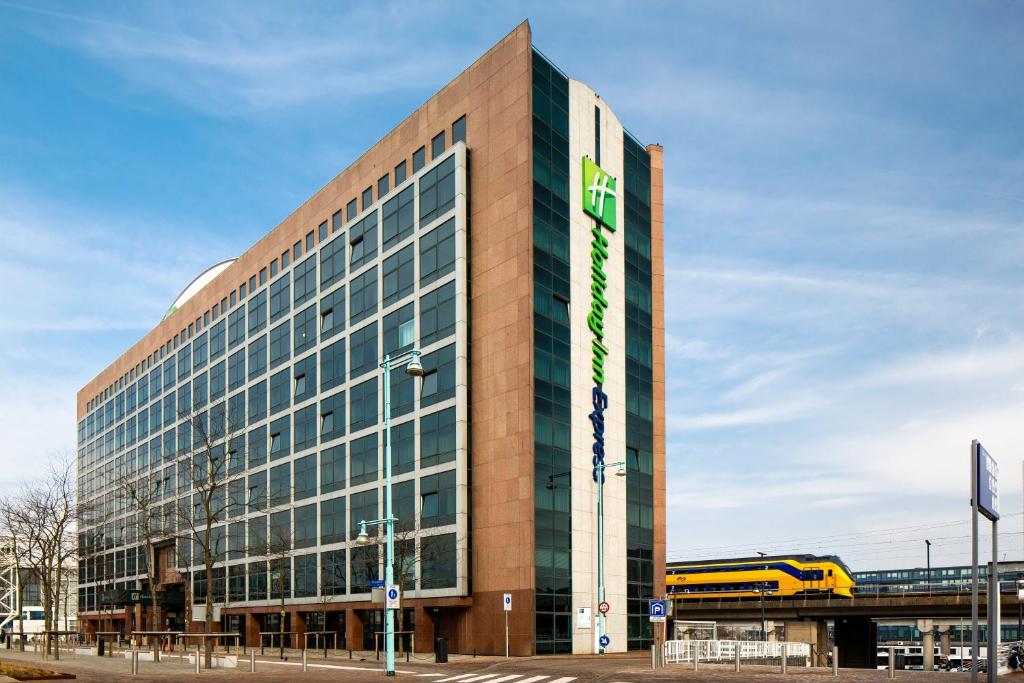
(844, 222)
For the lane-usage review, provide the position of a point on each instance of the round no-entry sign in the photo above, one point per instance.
(603, 607)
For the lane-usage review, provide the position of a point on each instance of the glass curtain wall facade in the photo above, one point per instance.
(639, 393)
(553, 521)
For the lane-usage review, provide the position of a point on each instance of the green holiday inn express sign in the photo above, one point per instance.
(600, 202)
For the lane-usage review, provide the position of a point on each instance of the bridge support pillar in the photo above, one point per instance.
(927, 629)
(814, 633)
(855, 638)
(945, 641)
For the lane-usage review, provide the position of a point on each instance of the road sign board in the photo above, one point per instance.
(506, 602)
(604, 607)
(392, 598)
(987, 473)
(583, 617)
(656, 608)
(605, 640)
(376, 583)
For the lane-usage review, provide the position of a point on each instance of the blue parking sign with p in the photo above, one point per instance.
(656, 608)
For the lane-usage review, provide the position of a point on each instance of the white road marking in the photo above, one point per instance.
(503, 679)
(483, 677)
(533, 679)
(455, 678)
(564, 680)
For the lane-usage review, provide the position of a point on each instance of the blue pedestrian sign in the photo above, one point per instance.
(605, 640)
(376, 583)
(391, 595)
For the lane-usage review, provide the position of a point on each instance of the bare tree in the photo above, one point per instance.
(203, 509)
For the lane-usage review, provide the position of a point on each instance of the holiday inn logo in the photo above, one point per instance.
(599, 198)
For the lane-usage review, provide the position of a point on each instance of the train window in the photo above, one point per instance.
(830, 572)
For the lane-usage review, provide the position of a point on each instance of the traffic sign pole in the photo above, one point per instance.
(506, 604)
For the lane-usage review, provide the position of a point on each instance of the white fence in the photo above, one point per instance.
(725, 650)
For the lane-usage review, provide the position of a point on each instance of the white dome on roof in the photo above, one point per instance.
(203, 279)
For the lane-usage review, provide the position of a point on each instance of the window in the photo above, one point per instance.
(332, 417)
(305, 329)
(200, 390)
(236, 369)
(257, 401)
(437, 499)
(217, 381)
(459, 130)
(200, 351)
(184, 404)
(184, 370)
(273, 268)
(257, 312)
(363, 405)
(383, 186)
(280, 391)
(169, 379)
(437, 314)
(399, 330)
(257, 492)
(236, 327)
(362, 239)
(306, 428)
(305, 477)
(398, 219)
(280, 298)
(367, 197)
(305, 378)
(363, 460)
(305, 280)
(280, 437)
(258, 357)
(363, 296)
(399, 277)
(332, 520)
(403, 447)
(333, 570)
(363, 507)
(403, 392)
(332, 365)
(437, 145)
(437, 191)
(419, 158)
(257, 448)
(236, 499)
(437, 438)
(216, 341)
(337, 220)
(280, 485)
(236, 411)
(363, 352)
(257, 576)
(438, 564)
(321, 235)
(332, 313)
(401, 173)
(305, 565)
(365, 567)
(437, 252)
(280, 344)
(351, 210)
(332, 262)
(332, 469)
(439, 377)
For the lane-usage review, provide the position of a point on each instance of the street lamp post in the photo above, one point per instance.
(1020, 608)
(415, 369)
(601, 467)
(928, 571)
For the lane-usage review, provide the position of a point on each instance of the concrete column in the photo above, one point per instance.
(252, 630)
(822, 646)
(353, 629)
(299, 626)
(927, 629)
(945, 641)
(424, 630)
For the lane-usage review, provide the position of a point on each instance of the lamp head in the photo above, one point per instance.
(362, 538)
(621, 472)
(414, 368)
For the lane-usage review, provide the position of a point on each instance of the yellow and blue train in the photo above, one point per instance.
(752, 577)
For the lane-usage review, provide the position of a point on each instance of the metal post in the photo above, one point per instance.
(764, 623)
(389, 570)
(600, 562)
(197, 659)
(892, 663)
(736, 664)
(993, 608)
(252, 661)
(785, 658)
(696, 656)
(506, 634)
(135, 662)
(653, 665)
(928, 560)
(974, 563)
(835, 662)
(305, 666)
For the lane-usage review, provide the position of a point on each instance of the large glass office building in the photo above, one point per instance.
(511, 231)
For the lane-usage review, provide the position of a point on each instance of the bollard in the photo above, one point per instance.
(252, 661)
(197, 659)
(653, 665)
(696, 657)
(736, 664)
(785, 658)
(892, 663)
(835, 662)
(305, 667)
(135, 662)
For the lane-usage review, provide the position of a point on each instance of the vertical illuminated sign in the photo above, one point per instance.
(600, 202)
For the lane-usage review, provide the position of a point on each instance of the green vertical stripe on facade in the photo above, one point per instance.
(639, 393)
(552, 527)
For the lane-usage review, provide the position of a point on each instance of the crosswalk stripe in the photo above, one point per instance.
(504, 679)
(429, 675)
(483, 677)
(533, 679)
(564, 680)
(456, 678)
